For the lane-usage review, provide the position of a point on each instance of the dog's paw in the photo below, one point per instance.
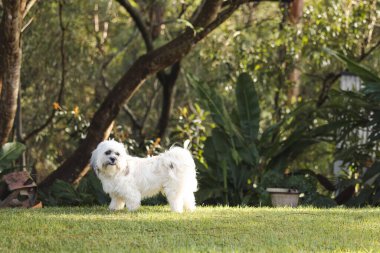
(116, 203)
(114, 208)
(177, 209)
(133, 206)
(190, 209)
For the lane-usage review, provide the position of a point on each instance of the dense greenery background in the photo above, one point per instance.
(295, 123)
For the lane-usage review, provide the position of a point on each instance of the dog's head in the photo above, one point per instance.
(109, 158)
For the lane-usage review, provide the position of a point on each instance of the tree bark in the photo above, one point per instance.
(10, 65)
(149, 64)
(168, 82)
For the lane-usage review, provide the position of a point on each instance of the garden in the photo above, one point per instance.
(268, 97)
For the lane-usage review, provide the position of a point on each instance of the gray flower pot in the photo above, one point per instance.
(284, 197)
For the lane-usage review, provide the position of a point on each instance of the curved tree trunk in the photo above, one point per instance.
(10, 64)
(149, 64)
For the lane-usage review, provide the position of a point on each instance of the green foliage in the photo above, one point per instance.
(232, 174)
(191, 126)
(72, 121)
(306, 184)
(230, 152)
(147, 147)
(248, 107)
(354, 111)
(367, 75)
(88, 192)
(368, 183)
(9, 152)
(237, 152)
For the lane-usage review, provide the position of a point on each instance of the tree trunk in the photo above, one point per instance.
(295, 15)
(10, 64)
(149, 64)
(168, 82)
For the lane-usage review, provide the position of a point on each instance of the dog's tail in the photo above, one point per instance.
(181, 167)
(187, 144)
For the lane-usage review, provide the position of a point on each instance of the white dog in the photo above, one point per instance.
(129, 179)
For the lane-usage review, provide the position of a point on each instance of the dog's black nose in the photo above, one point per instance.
(112, 159)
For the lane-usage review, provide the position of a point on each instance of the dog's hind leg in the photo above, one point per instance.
(189, 201)
(175, 200)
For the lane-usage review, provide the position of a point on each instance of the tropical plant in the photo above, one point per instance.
(239, 160)
(231, 151)
(9, 152)
(360, 184)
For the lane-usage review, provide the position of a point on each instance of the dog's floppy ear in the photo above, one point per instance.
(93, 161)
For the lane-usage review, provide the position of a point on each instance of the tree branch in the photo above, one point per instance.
(366, 54)
(231, 2)
(137, 18)
(27, 24)
(29, 6)
(150, 105)
(166, 80)
(133, 118)
(62, 52)
(149, 64)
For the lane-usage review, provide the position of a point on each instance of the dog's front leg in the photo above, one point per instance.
(117, 203)
(133, 200)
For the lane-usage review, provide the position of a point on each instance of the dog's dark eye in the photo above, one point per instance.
(117, 153)
(108, 152)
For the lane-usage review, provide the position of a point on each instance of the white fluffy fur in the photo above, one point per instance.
(129, 179)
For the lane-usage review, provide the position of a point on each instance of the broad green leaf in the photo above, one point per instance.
(372, 91)
(214, 102)
(358, 69)
(220, 141)
(209, 151)
(10, 152)
(248, 107)
(249, 154)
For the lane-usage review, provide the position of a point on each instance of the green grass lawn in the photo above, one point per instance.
(209, 229)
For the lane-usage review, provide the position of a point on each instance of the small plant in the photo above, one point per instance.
(191, 126)
(9, 152)
(88, 192)
(72, 121)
